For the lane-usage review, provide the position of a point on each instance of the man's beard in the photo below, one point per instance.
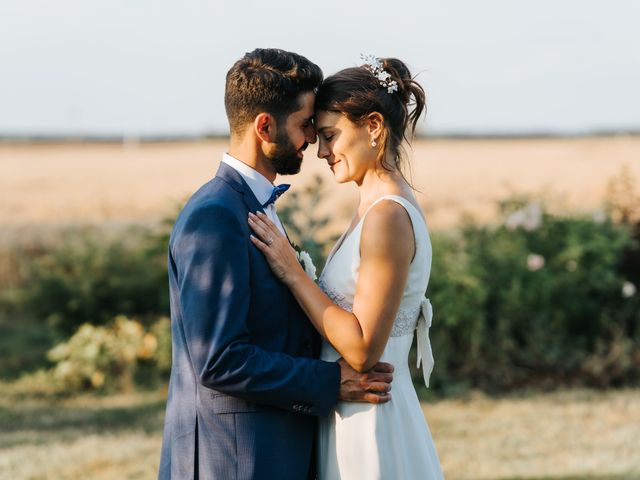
(284, 157)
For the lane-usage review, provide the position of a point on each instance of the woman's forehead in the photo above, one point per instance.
(325, 118)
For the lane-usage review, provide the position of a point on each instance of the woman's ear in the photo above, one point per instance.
(264, 126)
(375, 125)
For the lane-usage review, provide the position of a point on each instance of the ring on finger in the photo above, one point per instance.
(270, 241)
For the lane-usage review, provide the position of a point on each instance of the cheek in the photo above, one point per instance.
(300, 138)
(356, 156)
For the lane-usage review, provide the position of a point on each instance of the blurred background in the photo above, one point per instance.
(527, 166)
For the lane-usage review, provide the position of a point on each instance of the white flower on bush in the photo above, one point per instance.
(535, 262)
(628, 289)
(599, 216)
(529, 218)
(307, 264)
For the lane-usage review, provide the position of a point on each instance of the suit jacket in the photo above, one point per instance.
(245, 387)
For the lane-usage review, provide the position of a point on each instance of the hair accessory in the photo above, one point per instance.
(374, 64)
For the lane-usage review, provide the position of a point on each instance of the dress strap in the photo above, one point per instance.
(411, 209)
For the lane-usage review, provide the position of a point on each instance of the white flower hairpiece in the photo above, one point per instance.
(374, 64)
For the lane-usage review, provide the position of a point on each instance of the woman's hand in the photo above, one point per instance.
(275, 246)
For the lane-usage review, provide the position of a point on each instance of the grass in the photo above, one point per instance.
(563, 435)
(559, 436)
(110, 437)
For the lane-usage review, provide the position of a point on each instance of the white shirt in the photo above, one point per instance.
(259, 185)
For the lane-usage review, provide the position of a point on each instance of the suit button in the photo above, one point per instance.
(307, 344)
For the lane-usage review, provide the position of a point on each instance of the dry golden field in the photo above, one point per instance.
(44, 184)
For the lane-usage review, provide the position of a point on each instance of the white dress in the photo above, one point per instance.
(390, 441)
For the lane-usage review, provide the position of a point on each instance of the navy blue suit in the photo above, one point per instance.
(245, 387)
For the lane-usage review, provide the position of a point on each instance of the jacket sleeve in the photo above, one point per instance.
(211, 251)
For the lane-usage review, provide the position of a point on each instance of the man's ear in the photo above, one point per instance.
(375, 125)
(264, 126)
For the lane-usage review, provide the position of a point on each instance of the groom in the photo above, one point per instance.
(246, 386)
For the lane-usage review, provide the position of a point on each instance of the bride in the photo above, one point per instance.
(370, 296)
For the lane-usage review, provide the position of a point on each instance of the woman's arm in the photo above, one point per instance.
(386, 248)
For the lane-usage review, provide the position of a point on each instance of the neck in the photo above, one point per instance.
(378, 182)
(249, 152)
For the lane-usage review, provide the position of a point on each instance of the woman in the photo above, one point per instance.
(370, 296)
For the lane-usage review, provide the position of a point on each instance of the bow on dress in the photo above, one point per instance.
(425, 354)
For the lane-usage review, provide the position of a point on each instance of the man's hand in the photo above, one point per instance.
(372, 386)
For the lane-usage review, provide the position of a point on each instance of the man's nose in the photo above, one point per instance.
(312, 135)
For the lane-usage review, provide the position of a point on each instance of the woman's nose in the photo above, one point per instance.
(323, 151)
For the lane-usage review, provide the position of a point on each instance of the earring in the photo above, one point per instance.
(373, 143)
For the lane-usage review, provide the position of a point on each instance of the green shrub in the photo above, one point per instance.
(90, 278)
(106, 357)
(162, 356)
(538, 299)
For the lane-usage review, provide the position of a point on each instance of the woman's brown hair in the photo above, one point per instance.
(356, 92)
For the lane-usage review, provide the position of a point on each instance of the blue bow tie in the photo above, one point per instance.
(277, 191)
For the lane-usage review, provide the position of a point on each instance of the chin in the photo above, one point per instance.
(341, 177)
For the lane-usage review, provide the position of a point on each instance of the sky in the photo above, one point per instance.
(157, 67)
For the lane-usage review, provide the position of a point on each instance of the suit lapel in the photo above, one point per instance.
(235, 181)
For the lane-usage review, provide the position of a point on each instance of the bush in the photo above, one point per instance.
(162, 357)
(538, 299)
(90, 278)
(107, 357)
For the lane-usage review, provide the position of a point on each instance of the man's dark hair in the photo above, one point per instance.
(267, 80)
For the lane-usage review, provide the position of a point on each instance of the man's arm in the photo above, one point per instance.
(212, 256)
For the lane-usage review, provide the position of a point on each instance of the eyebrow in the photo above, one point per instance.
(320, 129)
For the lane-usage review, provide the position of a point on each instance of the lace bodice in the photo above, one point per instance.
(404, 324)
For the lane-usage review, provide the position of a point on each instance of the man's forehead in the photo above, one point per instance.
(307, 101)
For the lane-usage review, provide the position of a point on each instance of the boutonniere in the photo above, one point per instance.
(305, 262)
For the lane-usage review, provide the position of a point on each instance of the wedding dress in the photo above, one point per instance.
(390, 441)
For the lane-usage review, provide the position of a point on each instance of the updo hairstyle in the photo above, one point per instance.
(357, 92)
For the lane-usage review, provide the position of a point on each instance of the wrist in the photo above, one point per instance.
(294, 276)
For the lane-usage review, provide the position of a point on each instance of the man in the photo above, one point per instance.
(245, 387)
